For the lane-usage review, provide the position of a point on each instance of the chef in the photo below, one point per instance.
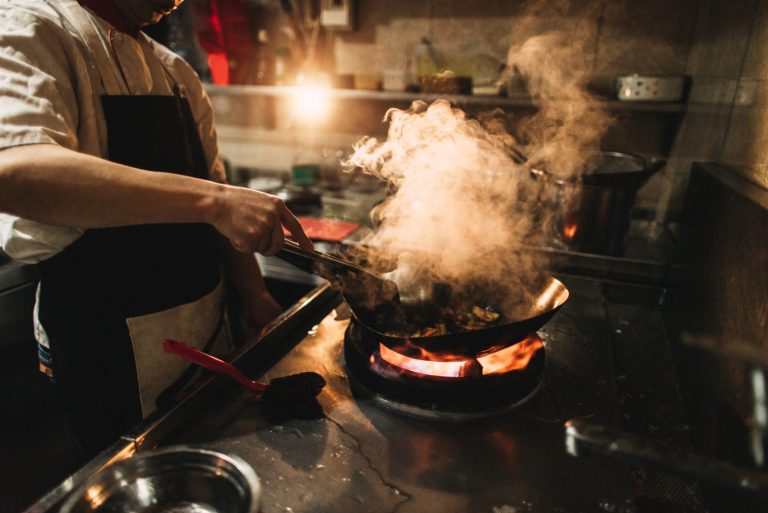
(114, 186)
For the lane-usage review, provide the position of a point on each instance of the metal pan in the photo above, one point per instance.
(385, 322)
(377, 307)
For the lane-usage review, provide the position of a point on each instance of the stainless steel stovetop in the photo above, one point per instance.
(607, 363)
(363, 454)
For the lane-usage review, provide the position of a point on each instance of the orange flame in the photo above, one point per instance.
(569, 231)
(509, 359)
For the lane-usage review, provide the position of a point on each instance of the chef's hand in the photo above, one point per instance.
(253, 221)
(257, 313)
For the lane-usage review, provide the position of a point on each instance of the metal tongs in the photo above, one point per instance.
(336, 270)
(328, 266)
(366, 286)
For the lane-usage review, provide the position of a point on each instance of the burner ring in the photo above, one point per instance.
(480, 395)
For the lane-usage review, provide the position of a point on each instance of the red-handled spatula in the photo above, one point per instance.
(212, 363)
(283, 396)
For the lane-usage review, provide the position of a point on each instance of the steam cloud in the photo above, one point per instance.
(457, 214)
(555, 65)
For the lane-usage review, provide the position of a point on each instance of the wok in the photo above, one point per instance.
(387, 322)
(377, 307)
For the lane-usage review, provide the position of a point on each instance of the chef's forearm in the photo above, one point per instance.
(50, 184)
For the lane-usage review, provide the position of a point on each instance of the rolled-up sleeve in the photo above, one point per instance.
(38, 105)
(37, 98)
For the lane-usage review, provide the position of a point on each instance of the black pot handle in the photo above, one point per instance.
(654, 165)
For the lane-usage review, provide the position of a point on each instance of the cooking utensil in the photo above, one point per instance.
(616, 169)
(609, 169)
(317, 261)
(376, 304)
(386, 322)
(339, 271)
(212, 363)
(593, 211)
(180, 479)
(416, 301)
(289, 393)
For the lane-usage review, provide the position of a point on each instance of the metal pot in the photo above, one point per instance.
(179, 478)
(593, 212)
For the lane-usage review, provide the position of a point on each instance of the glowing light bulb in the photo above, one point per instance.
(311, 102)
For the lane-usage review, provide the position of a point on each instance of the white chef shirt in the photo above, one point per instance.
(50, 93)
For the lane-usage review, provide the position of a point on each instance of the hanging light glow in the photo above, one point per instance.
(311, 99)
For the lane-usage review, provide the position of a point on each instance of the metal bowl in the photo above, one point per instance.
(173, 480)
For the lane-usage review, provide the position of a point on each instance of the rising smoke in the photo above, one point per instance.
(554, 58)
(455, 216)
(464, 210)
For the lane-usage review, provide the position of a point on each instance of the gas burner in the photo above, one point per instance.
(443, 387)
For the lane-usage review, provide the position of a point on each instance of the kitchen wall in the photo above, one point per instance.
(719, 322)
(727, 114)
(623, 36)
(747, 137)
(620, 38)
(719, 43)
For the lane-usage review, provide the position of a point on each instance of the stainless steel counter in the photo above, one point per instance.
(360, 453)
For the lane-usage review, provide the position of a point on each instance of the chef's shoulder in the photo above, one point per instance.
(36, 30)
(20, 17)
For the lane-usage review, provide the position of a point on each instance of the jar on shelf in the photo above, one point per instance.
(265, 60)
(283, 66)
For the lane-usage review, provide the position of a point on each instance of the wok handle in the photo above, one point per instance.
(654, 165)
(212, 363)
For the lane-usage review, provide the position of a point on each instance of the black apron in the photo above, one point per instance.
(88, 290)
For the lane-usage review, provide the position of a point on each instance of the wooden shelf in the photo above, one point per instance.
(459, 100)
